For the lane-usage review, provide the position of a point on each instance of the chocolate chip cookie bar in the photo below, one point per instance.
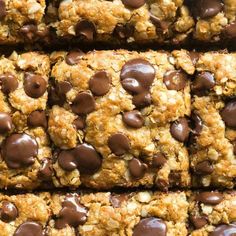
(159, 21)
(99, 214)
(212, 213)
(118, 118)
(25, 151)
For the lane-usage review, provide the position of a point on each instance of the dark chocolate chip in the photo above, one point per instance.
(134, 3)
(63, 87)
(6, 124)
(150, 227)
(224, 230)
(124, 31)
(211, 198)
(228, 114)
(83, 104)
(73, 57)
(3, 11)
(158, 160)
(203, 82)
(196, 123)
(161, 25)
(175, 80)
(29, 31)
(142, 100)
(66, 160)
(230, 30)
(29, 228)
(162, 184)
(37, 118)
(119, 143)
(85, 29)
(46, 171)
(137, 168)
(99, 83)
(180, 129)
(133, 119)
(79, 123)
(194, 57)
(8, 83)
(72, 213)
(198, 221)
(117, 199)
(19, 150)
(8, 212)
(34, 85)
(204, 168)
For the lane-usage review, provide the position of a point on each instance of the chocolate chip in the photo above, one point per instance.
(8, 212)
(198, 221)
(228, 114)
(137, 168)
(29, 228)
(124, 31)
(158, 160)
(196, 123)
(204, 168)
(46, 171)
(180, 129)
(3, 11)
(175, 80)
(5, 123)
(34, 85)
(119, 143)
(230, 30)
(117, 199)
(29, 31)
(133, 119)
(224, 230)
(85, 29)
(150, 227)
(134, 3)
(37, 118)
(142, 100)
(99, 83)
(84, 157)
(203, 82)
(8, 83)
(206, 8)
(161, 25)
(162, 184)
(19, 150)
(211, 198)
(79, 123)
(64, 87)
(194, 57)
(73, 57)
(72, 213)
(83, 103)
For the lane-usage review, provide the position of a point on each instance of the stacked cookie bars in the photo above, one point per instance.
(117, 142)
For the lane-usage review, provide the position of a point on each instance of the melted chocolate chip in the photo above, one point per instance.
(29, 31)
(64, 87)
(117, 199)
(8, 212)
(99, 84)
(162, 184)
(5, 123)
(37, 118)
(79, 123)
(161, 25)
(137, 168)
(124, 31)
(211, 198)
(19, 150)
(83, 157)
(8, 83)
(180, 129)
(228, 114)
(3, 11)
(72, 213)
(73, 57)
(224, 230)
(133, 119)
(203, 82)
(142, 100)
(194, 57)
(230, 30)
(29, 228)
(134, 3)
(85, 29)
(204, 168)
(198, 221)
(175, 80)
(196, 124)
(119, 143)
(34, 85)
(158, 160)
(83, 104)
(150, 227)
(46, 171)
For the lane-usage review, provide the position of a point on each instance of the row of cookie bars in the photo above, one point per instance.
(117, 21)
(118, 118)
(130, 214)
